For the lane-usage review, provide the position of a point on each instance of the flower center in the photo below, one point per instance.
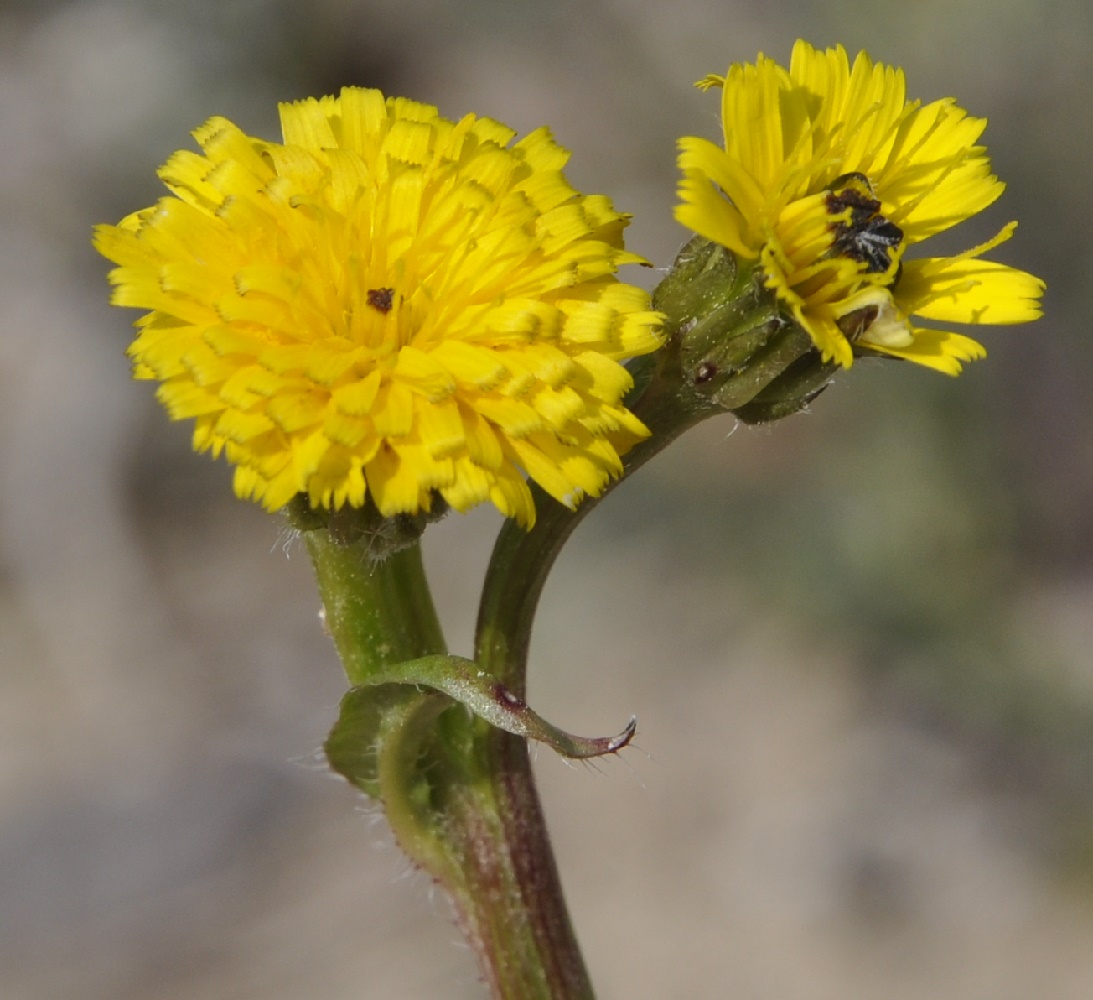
(858, 230)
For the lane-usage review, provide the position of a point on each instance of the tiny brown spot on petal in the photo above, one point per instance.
(381, 299)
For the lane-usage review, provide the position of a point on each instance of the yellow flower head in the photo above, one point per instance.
(387, 305)
(828, 175)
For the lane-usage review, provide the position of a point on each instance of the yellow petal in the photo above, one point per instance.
(941, 350)
(969, 291)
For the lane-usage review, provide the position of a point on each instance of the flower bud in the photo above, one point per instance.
(731, 347)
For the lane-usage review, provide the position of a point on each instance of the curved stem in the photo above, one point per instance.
(522, 560)
(518, 570)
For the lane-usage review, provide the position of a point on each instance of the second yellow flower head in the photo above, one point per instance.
(828, 175)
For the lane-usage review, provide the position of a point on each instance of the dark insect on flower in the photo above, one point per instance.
(868, 237)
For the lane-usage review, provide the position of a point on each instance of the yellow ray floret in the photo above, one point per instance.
(386, 305)
(828, 175)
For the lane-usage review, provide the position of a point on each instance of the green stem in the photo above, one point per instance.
(458, 794)
(527, 885)
(379, 613)
(514, 910)
(672, 396)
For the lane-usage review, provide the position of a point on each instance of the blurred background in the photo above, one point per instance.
(859, 643)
